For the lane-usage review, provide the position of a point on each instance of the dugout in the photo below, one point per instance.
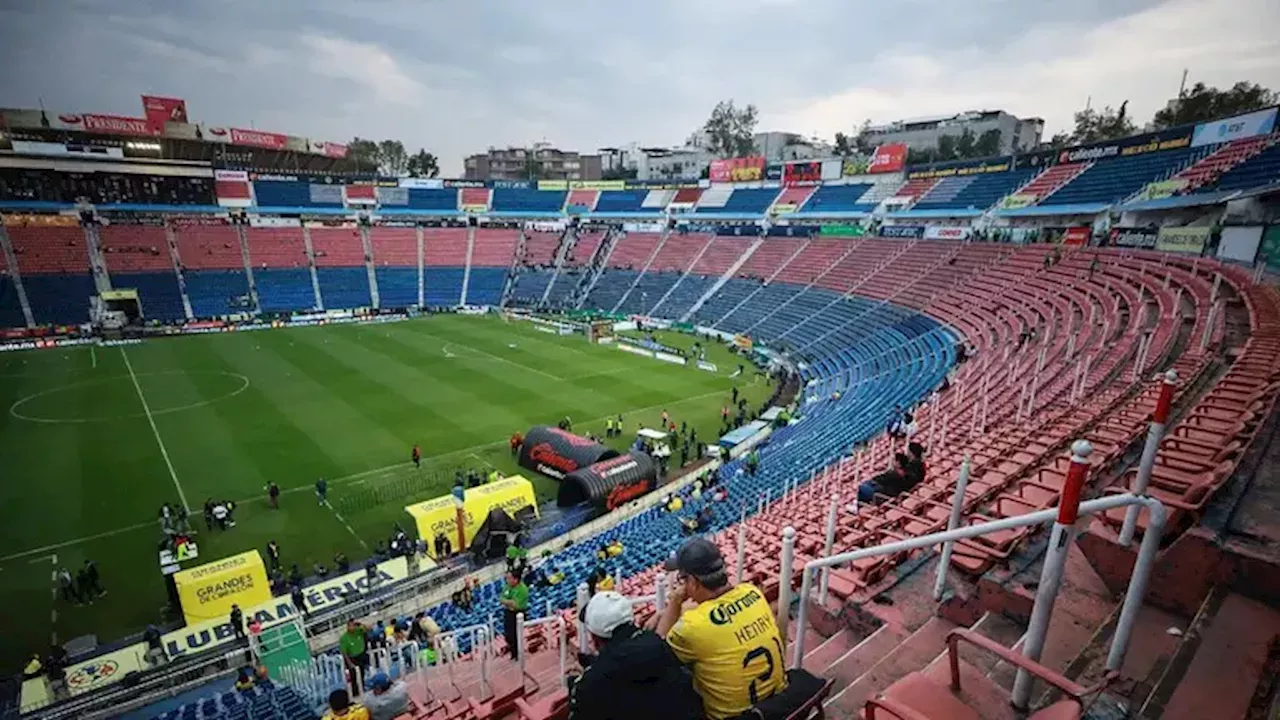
(611, 482)
(557, 453)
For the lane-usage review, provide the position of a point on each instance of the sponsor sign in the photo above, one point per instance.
(940, 232)
(1182, 239)
(709, 367)
(1144, 238)
(160, 110)
(783, 208)
(959, 169)
(475, 208)
(888, 158)
(479, 183)
(1013, 202)
(440, 515)
(230, 176)
(208, 591)
(20, 220)
(421, 183)
(668, 357)
(743, 169)
(842, 230)
(110, 124)
(743, 342)
(1077, 236)
(511, 184)
(597, 185)
(802, 173)
(1140, 145)
(855, 166)
(773, 171)
(660, 184)
(634, 350)
(902, 231)
(361, 194)
(258, 138)
(1165, 188)
(333, 149)
(1234, 128)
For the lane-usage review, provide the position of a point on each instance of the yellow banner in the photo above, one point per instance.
(207, 592)
(1165, 188)
(1182, 239)
(119, 294)
(596, 185)
(440, 515)
(475, 208)
(784, 208)
(21, 220)
(1013, 202)
(743, 342)
(553, 184)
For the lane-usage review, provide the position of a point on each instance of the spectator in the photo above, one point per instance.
(635, 674)
(387, 700)
(155, 646)
(341, 562)
(892, 482)
(94, 582)
(67, 588)
(237, 622)
(57, 672)
(443, 547)
(355, 654)
(273, 554)
(711, 636)
(371, 570)
(244, 680)
(514, 600)
(341, 708)
(299, 600)
(322, 491)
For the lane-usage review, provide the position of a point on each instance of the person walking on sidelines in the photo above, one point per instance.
(322, 491)
(95, 583)
(273, 495)
(237, 622)
(417, 456)
(273, 554)
(299, 600)
(67, 587)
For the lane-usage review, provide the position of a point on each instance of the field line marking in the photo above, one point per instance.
(499, 358)
(363, 474)
(155, 431)
(346, 525)
(93, 356)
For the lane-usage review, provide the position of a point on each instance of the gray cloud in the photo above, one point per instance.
(457, 77)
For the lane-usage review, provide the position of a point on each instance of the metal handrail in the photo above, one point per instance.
(1039, 621)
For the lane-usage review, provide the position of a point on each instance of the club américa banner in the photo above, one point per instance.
(743, 169)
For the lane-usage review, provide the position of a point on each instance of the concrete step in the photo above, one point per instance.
(1229, 664)
(820, 657)
(912, 654)
(859, 658)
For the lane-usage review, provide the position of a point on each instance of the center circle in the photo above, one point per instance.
(23, 410)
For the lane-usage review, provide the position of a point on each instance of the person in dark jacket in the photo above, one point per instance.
(635, 675)
(893, 482)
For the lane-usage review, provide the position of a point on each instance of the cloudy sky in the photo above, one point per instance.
(456, 76)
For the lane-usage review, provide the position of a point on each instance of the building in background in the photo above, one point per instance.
(692, 160)
(540, 162)
(778, 146)
(1016, 134)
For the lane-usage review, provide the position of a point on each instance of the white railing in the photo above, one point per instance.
(1064, 519)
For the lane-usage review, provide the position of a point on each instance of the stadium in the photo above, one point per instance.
(241, 372)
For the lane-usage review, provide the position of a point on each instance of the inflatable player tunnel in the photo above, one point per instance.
(557, 453)
(610, 483)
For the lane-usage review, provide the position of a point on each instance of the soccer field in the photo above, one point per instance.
(94, 440)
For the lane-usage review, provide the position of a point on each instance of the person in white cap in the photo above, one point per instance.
(635, 675)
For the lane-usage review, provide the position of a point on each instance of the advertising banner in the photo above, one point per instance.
(1164, 188)
(440, 515)
(659, 184)
(258, 138)
(610, 483)
(556, 453)
(112, 124)
(855, 166)
(742, 341)
(160, 110)
(208, 591)
(1139, 145)
(888, 158)
(511, 184)
(480, 183)
(325, 194)
(843, 230)
(1013, 202)
(959, 168)
(362, 195)
(832, 169)
(773, 171)
(1076, 236)
(1141, 238)
(421, 183)
(333, 149)
(902, 231)
(597, 184)
(941, 232)
(475, 208)
(1182, 239)
(802, 173)
(1235, 128)
(393, 196)
(1240, 243)
(743, 169)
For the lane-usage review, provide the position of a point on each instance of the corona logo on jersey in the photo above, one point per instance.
(208, 591)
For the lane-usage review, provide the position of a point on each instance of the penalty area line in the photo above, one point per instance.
(346, 525)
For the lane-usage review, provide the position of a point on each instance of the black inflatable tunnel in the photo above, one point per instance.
(610, 483)
(556, 453)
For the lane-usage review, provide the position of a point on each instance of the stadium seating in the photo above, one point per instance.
(284, 289)
(54, 262)
(433, 199)
(295, 194)
(214, 293)
(632, 251)
(337, 247)
(581, 201)
(394, 247)
(973, 192)
(209, 247)
(484, 287)
(532, 202)
(792, 198)
(276, 248)
(621, 201)
(474, 198)
(915, 188)
(1108, 181)
(752, 201)
(582, 250)
(444, 247)
(657, 200)
(1222, 159)
(158, 293)
(397, 286)
(540, 249)
(1260, 170)
(344, 288)
(715, 198)
(839, 199)
(135, 248)
(686, 196)
(494, 247)
(1047, 182)
(10, 306)
(530, 285)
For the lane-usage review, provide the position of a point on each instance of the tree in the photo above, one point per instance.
(392, 159)
(1057, 142)
(844, 148)
(862, 142)
(364, 153)
(1202, 103)
(730, 130)
(988, 144)
(946, 148)
(422, 164)
(1106, 124)
(965, 144)
(619, 173)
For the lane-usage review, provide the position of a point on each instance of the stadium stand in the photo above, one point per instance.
(839, 199)
(281, 272)
(753, 201)
(581, 201)
(473, 197)
(540, 249)
(657, 200)
(622, 201)
(1260, 170)
(1108, 181)
(54, 262)
(1046, 183)
(213, 268)
(528, 202)
(337, 247)
(1221, 160)
(792, 199)
(433, 199)
(444, 253)
(973, 192)
(137, 257)
(715, 197)
(915, 188)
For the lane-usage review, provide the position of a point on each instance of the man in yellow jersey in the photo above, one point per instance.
(730, 640)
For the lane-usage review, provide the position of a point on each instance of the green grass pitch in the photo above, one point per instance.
(84, 472)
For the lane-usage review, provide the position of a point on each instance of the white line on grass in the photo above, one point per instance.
(346, 525)
(499, 358)
(354, 479)
(154, 430)
(93, 356)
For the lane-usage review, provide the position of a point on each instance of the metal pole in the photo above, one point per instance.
(1217, 286)
(802, 617)
(830, 545)
(957, 507)
(479, 640)
(1148, 462)
(583, 597)
(1055, 561)
(564, 652)
(742, 550)
(1208, 327)
(784, 580)
(660, 596)
(1137, 583)
(1177, 302)
(520, 643)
